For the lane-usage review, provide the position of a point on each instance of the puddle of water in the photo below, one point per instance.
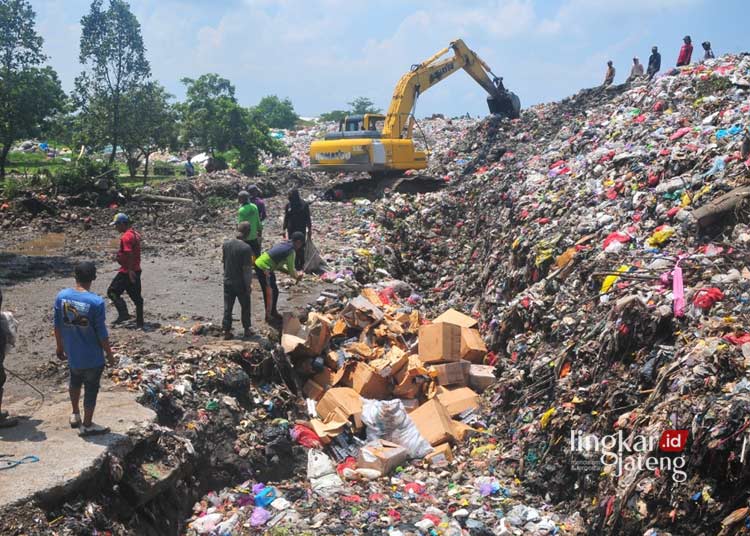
(53, 245)
(47, 245)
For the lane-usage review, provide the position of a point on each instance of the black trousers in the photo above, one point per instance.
(122, 283)
(232, 292)
(255, 244)
(268, 282)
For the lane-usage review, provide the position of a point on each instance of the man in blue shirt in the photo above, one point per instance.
(82, 339)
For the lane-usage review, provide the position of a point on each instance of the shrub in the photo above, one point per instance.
(164, 168)
(80, 176)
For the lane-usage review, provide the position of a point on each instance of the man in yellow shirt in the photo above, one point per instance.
(279, 257)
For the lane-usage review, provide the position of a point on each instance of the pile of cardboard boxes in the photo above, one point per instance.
(374, 348)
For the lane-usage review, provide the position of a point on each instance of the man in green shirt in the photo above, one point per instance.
(249, 212)
(280, 257)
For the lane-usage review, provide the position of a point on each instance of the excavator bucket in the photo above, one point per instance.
(508, 105)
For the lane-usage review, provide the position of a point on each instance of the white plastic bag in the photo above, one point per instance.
(313, 260)
(322, 474)
(387, 419)
(9, 325)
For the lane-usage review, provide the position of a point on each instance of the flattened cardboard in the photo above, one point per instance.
(366, 381)
(439, 342)
(433, 422)
(327, 378)
(303, 341)
(361, 313)
(440, 456)
(458, 400)
(451, 316)
(454, 373)
(313, 390)
(341, 402)
(381, 455)
(472, 346)
(463, 431)
(481, 377)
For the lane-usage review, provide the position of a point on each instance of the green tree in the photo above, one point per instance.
(277, 113)
(209, 104)
(114, 60)
(334, 115)
(29, 94)
(362, 105)
(149, 124)
(213, 120)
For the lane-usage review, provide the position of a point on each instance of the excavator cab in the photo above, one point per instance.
(356, 123)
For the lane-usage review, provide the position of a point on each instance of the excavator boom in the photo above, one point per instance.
(392, 149)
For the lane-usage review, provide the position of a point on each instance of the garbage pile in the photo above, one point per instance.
(391, 402)
(602, 242)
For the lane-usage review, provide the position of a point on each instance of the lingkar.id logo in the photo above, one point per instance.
(625, 455)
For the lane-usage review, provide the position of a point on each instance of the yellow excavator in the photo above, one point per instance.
(382, 144)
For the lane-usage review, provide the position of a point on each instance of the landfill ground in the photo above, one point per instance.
(547, 332)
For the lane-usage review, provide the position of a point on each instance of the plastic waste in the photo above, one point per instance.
(387, 419)
(207, 523)
(259, 517)
(322, 474)
(265, 497)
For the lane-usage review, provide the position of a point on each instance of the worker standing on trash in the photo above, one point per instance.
(237, 256)
(128, 278)
(280, 257)
(610, 76)
(297, 220)
(654, 63)
(686, 52)
(189, 168)
(637, 70)
(708, 54)
(82, 339)
(249, 212)
(6, 421)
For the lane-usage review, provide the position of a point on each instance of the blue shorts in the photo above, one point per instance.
(90, 379)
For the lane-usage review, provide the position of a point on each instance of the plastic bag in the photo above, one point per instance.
(313, 260)
(207, 523)
(9, 325)
(322, 474)
(387, 419)
(305, 436)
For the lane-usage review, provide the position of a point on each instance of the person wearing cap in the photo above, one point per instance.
(82, 339)
(686, 52)
(637, 70)
(237, 256)
(610, 76)
(128, 278)
(280, 257)
(654, 62)
(708, 54)
(249, 212)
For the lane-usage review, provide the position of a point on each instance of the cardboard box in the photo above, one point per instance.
(439, 342)
(341, 403)
(472, 346)
(481, 377)
(433, 422)
(361, 313)
(313, 390)
(381, 455)
(302, 341)
(455, 373)
(458, 400)
(366, 381)
(463, 431)
(442, 455)
(451, 316)
(391, 363)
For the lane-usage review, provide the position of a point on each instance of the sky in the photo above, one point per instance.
(323, 53)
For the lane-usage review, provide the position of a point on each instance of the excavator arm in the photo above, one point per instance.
(421, 77)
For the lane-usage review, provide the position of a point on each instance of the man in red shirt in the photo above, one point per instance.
(686, 52)
(128, 278)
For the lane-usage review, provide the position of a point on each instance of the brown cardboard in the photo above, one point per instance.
(366, 381)
(327, 430)
(463, 431)
(451, 316)
(454, 373)
(304, 341)
(381, 455)
(391, 363)
(481, 377)
(458, 400)
(472, 346)
(433, 422)
(341, 402)
(327, 378)
(361, 313)
(313, 390)
(439, 342)
(441, 455)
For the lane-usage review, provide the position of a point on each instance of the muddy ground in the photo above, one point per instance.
(182, 280)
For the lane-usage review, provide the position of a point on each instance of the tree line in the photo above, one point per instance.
(116, 105)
